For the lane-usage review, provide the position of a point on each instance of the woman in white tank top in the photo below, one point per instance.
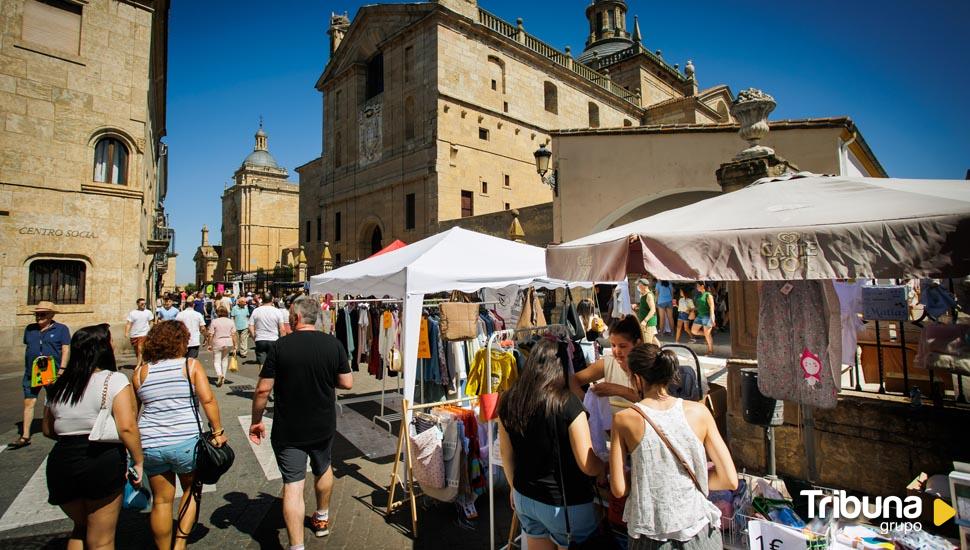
(665, 507)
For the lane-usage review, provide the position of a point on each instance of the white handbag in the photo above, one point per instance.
(105, 430)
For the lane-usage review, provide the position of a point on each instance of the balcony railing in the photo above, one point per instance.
(508, 30)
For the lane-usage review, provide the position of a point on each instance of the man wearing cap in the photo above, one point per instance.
(48, 343)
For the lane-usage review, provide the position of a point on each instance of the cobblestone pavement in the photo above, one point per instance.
(244, 510)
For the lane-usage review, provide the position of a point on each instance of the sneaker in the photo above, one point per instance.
(321, 527)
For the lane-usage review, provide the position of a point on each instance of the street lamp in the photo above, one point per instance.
(543, 160)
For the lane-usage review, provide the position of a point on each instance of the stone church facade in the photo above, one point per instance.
(259, 226)
(82, 161)
(432, 112)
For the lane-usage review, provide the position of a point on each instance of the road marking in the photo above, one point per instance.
(31, 507)
(371, 440)
(264, 451)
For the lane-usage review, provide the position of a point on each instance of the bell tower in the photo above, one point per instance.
(607, 22)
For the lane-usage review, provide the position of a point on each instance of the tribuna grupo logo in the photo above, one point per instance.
(894, 512)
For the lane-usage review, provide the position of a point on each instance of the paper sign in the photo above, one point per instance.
(765, 535)
(884, 303)
(786, 290)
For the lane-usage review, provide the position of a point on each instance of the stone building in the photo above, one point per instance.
(82, 163)
(259, 220)
(432, 112)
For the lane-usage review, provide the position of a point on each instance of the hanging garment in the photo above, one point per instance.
(622, 306)
(451, 455)
(327, 319)
(438, 345)
(457, 362)
(800, 342)
(349, 328)
(342, 332)
(600, 422)
(424, 344)
(388, 336)
(375, 364)
(936, 300)
(430, 369)
(363, 333)
(504, 372)
(850, 306)
(427, 459)
(354, 354)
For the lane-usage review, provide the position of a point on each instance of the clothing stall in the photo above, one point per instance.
(798, 236)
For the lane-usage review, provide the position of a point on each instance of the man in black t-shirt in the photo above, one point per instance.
(304, 368)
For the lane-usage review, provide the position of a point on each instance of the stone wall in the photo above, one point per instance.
(56, 105)
(869, 443)
(536, 223)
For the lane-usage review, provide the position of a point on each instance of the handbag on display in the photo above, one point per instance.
(459, 321)
(210, 461)
(570, 318)
(532, 314)
(105, 430)
(427, 458)
(394, 364)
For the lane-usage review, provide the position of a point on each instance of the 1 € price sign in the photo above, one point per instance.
(765, 535)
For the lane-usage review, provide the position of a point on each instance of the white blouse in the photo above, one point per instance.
(78, 418)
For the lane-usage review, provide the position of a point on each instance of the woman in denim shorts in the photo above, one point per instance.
(169, 425)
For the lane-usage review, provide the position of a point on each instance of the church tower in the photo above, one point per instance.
(607, 29)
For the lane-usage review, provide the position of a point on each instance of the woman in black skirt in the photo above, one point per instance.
(86, 478)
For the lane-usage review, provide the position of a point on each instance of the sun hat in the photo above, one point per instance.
(45, 305)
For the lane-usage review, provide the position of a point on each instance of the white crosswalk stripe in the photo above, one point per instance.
(264, 451)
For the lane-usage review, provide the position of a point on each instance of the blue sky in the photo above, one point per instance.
(899, 69)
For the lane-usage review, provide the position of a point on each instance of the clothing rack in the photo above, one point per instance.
(404, 445)
(559, 330)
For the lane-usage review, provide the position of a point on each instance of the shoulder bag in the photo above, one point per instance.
(210, 461)
(459, 321)
(105, 430)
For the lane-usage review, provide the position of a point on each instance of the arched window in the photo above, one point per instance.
(110, 161)
(551, 96)
(594, 115)
(58, 281)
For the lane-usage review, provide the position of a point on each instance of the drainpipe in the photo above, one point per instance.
(844, 153)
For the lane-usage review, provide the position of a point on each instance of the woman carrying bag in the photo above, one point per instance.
(668, 441)
(170, 388)
(91, 415)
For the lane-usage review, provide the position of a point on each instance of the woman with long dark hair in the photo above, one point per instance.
(667, 505)
(85, 478)
(545, 443)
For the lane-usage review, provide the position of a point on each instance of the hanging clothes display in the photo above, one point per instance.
(621, 306)
(504, 372)
(600, 422)
(800, 342)
(375, 363)
(850, 306)
(363, 333)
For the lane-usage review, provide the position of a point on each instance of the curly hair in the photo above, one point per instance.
(166, 340)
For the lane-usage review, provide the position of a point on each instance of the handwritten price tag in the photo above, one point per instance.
(765, 535)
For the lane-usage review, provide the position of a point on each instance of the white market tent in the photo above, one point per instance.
(456, 259)
(803, 226)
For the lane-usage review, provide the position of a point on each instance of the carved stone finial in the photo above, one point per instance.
(659, 54)
(569, 51)
(689, 69)
(516, 233)
(751, 108)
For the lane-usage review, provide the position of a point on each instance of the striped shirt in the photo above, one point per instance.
(167, 417)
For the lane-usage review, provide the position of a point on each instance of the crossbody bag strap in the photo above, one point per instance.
(677, 455)
(551, 423)
(192, 402)
(104, 390)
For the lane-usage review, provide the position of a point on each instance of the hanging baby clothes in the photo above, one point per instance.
(451, 450)
(850, 306)
(800, 342)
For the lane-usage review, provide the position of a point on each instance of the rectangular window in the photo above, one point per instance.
(338, 260)
(483, 134)
(319, 229)
(307, 231)
(408, 63)
(58, 281)
(55, 24)
(375, 76)
(508, 206)
(467, 204)
(505, 106)
(494, 84)
(484, 187)
(409, 211)
(336, 227)
(508, 182)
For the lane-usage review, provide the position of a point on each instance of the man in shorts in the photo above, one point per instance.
(304, 369)
(47, 343)
(266, 325)
(137, 325)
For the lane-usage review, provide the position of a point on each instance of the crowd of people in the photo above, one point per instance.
(660, 445)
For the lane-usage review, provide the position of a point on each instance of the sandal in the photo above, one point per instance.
(18, 443)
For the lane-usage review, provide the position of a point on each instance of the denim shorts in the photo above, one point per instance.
(539, 519)
(178, 458)
(703, 321)
(683, 316)
(665, 305)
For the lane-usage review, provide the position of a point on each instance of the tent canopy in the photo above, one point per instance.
(803, 226)
(456, 259)
(398, 243)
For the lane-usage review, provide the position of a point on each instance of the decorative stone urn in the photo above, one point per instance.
(751, 109)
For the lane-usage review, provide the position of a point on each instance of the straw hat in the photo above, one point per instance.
(44, 306)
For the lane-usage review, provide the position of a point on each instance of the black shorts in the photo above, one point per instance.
(262, 349)
(193, 352)
(292, 459)
(81, 469)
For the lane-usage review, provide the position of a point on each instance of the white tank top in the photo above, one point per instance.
(614, 374)
(664, 504)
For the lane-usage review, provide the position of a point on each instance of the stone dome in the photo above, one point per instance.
(261, 158)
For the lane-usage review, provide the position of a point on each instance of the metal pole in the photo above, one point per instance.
(770, 450)
(882, 386)
(902, 344)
